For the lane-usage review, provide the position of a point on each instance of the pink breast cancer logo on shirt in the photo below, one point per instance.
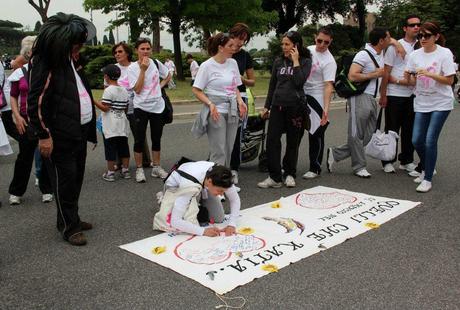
(314, 68)
(84, 95)
(427, 82)
(152, 87)
(231, 89)
(124, 82)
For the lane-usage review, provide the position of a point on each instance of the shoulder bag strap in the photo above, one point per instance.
(188, 176)
(377, 66)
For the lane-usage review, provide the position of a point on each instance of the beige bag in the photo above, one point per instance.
(162, 219)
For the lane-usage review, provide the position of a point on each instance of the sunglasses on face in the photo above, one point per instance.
(119, 52)
(425, 36)
(413, 25)
(320, 41)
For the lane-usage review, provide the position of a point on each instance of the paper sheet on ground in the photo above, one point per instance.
(271, 236)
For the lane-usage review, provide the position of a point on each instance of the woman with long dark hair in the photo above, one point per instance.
(286, 103)
(431, 69)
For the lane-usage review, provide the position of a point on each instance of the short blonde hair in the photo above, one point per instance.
(26, 45)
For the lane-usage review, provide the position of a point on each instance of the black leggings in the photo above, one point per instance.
(156, 129)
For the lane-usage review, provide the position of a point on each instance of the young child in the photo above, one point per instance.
(115, 124)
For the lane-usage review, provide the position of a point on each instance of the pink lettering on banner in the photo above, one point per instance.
(231, 89)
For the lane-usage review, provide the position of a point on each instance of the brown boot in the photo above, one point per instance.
(86, 226)
(77, 239)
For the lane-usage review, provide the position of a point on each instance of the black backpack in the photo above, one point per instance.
(346, 88)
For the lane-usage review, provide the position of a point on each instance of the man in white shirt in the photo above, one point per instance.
(197, 181)
(319, 88)
(367, 66)
(397, 96)
(194, 66)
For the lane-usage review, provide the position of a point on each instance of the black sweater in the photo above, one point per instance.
(54, 103)
(286, 83)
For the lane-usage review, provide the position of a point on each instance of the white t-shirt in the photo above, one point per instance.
(198, 170)
(323, 69)
(114, 121)
(363, 59)
(219, 79)
(171, 66)
(124, 82)
(429, 94)
(194, 66)
(149, 99)
(6, 88)
(86, 105)
(398, 66)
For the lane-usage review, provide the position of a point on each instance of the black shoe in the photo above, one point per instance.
(77, 239)
(86, 226)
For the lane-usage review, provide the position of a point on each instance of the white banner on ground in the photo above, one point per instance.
(271, 236)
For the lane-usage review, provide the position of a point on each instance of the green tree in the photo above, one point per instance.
(295, 12)
(111, 37)
(8, 24)
(37, 27)
(105, 40)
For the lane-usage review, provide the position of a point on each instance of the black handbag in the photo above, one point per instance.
(167, 113)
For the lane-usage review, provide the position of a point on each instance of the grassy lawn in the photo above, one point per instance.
(184, 90)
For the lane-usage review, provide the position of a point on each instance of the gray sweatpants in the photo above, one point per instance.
(362, 118)
(221, 138)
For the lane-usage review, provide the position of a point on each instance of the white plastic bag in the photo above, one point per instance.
(382, 145)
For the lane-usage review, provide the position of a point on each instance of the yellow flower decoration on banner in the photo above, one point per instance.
(246, 231)
(372, 225)
(270, 268)
(276, 204)
(158, 250)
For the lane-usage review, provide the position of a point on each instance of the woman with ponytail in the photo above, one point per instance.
(431, 69)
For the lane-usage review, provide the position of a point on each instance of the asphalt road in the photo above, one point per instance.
(411, 262)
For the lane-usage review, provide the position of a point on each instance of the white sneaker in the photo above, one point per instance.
(158, 172)
(388, 168)
(363, 173)
(235, 176)
(140, 176)
(420, 178)
(310, 175)
(408, 167)
(289, 182)
(47, 198)
(109, 177)
(268, 182)
(424, 187)
(14, 200)
(330, 159)
(415, 173)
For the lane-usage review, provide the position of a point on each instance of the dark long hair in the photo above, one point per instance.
(297, 40)
(57, 37)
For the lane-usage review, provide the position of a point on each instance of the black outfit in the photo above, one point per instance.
(116, 147)
(142, 118)
(284, 100)
(244, 61)
(54, 111)
(399, 115)
(8, 123)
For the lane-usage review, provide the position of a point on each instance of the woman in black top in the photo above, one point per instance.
(285, 107)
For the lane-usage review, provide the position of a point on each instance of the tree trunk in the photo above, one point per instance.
(361, 13)
(175, 29)
(156, 35)
(135, 29)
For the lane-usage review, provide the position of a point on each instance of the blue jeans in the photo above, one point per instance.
(427, 127)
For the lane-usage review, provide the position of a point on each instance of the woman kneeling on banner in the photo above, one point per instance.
(191, 184)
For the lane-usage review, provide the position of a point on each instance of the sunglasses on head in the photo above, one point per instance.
(320, 41)
(425, 35)
(413, 25)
